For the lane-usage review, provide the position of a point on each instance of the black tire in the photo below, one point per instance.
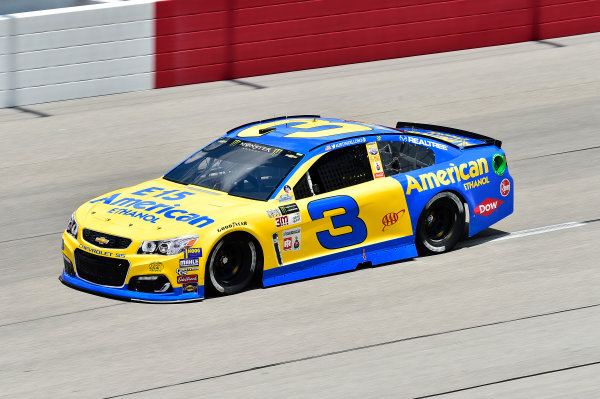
(441, 224)
(232, 264)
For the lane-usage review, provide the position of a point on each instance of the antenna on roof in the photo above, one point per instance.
(266, 130)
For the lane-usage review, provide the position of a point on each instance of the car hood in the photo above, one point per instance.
(159, 209)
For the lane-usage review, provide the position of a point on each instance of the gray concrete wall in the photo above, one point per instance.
(78, 51)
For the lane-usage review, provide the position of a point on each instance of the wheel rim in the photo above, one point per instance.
(233, 262)
(439, 220)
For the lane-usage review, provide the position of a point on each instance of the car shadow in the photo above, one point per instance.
(482, 237)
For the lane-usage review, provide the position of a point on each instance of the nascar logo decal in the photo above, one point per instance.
(391, 218)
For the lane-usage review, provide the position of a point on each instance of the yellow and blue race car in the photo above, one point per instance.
(286, 199)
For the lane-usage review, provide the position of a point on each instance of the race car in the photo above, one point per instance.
(287, 199)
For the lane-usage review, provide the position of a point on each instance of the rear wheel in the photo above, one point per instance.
(441, 224)
(232, 264)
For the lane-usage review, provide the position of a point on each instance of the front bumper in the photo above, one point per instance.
(124, 293)
(137, 266)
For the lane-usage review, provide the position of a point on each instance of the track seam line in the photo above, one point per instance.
(61, 314)
(509, 380)
(557, 153)
(358, 348)
(30, 237)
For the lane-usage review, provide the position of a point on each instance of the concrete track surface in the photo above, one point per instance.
(512, 318)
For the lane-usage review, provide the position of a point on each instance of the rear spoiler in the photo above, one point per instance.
(448, 130)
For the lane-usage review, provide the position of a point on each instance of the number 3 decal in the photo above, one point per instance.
(348, 218)
(307, 128)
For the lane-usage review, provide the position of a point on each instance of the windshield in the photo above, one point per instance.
(238, 167)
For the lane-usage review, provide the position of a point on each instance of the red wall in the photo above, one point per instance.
(206, 40)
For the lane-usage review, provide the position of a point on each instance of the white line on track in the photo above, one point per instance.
(528, 232)
(540, 230)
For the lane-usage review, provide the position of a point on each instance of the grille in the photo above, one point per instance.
(114, 242)
(100, 269)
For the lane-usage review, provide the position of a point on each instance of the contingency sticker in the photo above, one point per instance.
(286, 220)
(189, 288)
(187, 278)
(193, 253)
(291, 239)
(375, 160)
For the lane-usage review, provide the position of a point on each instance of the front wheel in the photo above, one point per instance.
(232, 264)
(441, 224)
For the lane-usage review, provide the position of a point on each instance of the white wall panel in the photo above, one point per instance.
(79, 72)
(78, 17)
(4, 99)
(81, 54)
(4, 31)
(85, 35)
(87, 88)
(4, 83)
(4, 44)
(4, 48)
(75, 52)
(4, 65)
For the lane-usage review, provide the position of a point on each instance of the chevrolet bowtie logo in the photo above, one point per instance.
(102, 240)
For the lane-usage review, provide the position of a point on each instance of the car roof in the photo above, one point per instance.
(284, 132)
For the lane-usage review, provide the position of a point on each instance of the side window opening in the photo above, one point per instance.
(400, 157)
(302, 189)
(349, 166)
(337, 169)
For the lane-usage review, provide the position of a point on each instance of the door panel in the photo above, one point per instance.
(348, 218)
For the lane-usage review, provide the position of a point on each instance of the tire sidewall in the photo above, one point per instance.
(427, 246)
(215, 285)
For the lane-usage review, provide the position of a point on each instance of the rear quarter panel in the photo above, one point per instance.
(489, 195)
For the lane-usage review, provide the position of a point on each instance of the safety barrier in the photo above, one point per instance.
(62, 53)
(200, 41)
(96, 47)
(556, 18)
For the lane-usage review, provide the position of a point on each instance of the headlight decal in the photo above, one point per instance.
(171, 246)
(72, 226)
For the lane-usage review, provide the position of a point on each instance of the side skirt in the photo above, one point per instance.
(389, 251)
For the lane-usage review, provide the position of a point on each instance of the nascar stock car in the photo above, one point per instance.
(286, 199)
